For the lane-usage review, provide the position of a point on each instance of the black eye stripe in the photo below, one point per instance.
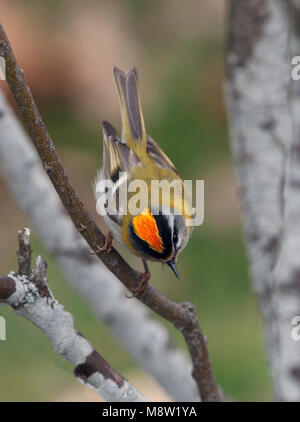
(175, 236)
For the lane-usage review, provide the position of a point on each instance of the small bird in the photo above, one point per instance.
(153, 234)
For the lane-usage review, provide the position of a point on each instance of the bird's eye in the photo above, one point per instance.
(175, 237)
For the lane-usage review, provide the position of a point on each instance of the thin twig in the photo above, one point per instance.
(24, 252)
(30, 296)
(173, 312)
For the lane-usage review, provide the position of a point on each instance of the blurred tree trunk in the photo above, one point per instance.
(263, 106)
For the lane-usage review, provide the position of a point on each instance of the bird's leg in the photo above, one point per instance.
(144, 281)
(106, 247)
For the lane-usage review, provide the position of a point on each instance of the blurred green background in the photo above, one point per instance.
(178, 47)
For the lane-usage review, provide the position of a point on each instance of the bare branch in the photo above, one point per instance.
(159, 303)
(7, 287)
(24, 252)
(32, 298)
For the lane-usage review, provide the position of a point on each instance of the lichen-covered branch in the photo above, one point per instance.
(28, 293)
(173, 312)
(262, 112)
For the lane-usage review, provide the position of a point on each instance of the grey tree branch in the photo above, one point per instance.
(28, 293)
(263, 110)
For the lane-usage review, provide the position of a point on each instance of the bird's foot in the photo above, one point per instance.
(82, 228)
(106, 247)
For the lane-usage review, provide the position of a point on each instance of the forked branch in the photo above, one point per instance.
(28, 293)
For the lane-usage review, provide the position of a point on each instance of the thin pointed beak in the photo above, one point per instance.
(172, 265)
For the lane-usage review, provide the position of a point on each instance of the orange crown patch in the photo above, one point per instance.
(145, 227)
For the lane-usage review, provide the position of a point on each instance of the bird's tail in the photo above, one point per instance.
(132, 116)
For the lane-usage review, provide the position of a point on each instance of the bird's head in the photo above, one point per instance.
(159, 237)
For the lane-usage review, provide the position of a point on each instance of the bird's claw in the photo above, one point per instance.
(82, 228)
(143, 284)
(106, 247)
